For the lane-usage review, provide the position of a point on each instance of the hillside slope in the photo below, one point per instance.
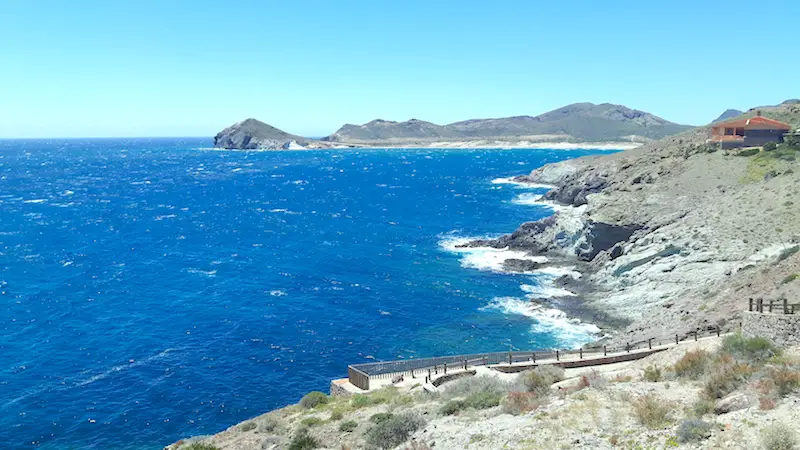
(676, 235)
(582, 122)
(254, 134)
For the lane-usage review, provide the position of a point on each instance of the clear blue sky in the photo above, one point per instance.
(189, 68)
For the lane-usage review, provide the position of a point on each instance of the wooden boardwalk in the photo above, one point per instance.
(371, 376)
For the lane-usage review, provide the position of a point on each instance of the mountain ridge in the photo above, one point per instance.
(577, 122)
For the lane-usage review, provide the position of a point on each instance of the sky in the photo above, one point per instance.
(192, 67)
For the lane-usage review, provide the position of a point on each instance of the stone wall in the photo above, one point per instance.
(782, 329)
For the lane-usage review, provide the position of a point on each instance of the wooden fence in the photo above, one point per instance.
(426, 368)
(779, 306)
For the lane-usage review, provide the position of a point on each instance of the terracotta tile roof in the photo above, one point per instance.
(758, 120)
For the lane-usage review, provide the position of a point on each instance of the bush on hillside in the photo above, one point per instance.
(692, 365)
(751, 350)
(269, 424)
(348, 426)
(693, 430)
(779, 437)
(313, 399)
(652, 374)
(541, 378)
(748, 152)
(303, 441)
(394, 431)
(466, 387)
(652, 411)
(248, 426)
(199, 446)
(517, 403)
(311, 421)
(380, 417)
(770, 146)
(785, 380)
(726, 377)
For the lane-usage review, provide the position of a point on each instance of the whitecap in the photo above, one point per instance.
(570, 332)
(208, 273)
(545, 290)
(37, 200)
(485, 258)
(528, 199)
(118, 368)
(278, 293)
(521, 185)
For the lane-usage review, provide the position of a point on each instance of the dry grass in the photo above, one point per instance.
(652, 411)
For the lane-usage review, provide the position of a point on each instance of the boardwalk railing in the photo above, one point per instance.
(360, 374)
(780, 306)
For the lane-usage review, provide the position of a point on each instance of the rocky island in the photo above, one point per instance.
(581, 124)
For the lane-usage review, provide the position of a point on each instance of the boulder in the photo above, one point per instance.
(732, 402)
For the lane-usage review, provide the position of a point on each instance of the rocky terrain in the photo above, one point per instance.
(674, 235)
(576, 123)
(735, 393)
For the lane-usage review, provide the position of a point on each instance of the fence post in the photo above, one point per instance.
(760, 305)
(676, 340)
(718, 330)
(534, 356)
(509, 358)
(557, 355)
(412, 373)
(445, 368)
(628, 347)
(581, 352)
(650, 344)
(465, 364)
(785, 306)
(770, 306)
(751, 304)
(695, 335)
(605, 352)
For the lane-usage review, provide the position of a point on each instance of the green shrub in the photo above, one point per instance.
(269, 424)
(360, 401)
(692, 365)
(726, 376)
(703, 406)
(466, 387)
(779, 437)
(199, 446)
(336, 415)
(770, 146)
(248, 426)
(380, 417)
(755, 349)
(452, 407)
(394, 431)
(517, 403)
(652, 374)
(541, 378)
(652, 411)
(748, 152)
(348, 426)
(303, 441)
(311, 421)
(692, 430)
(313, 399)
(483, 400)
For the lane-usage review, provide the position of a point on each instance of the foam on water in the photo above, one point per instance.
(521, 185)
(484, 258)
(571, 332)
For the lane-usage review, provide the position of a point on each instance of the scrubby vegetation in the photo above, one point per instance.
(348, 426)
(692, 430)
(652, 374)
(787, 252)
(693, 364)
(779, 437)
(541, 378)
(395, 430)
(652, 411)
(313, 399)
(749, 350)
(199, 446)
(303, 441)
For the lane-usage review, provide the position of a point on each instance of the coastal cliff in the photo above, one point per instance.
(676, 234)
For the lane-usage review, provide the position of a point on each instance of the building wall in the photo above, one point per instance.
(753, 138)
(782, 329)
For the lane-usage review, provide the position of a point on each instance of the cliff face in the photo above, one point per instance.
(677, 234)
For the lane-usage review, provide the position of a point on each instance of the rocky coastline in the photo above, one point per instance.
(671, 236)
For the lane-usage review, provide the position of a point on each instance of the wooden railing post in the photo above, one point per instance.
(534, 356)
(509, 359)
(718, 327)
(557, 355)
(605, 352)
(785, 306)
(760, 305)
(650, 344)
(770, 306)
(628, 347)
(465, 364)
(676, 340)
(751, 304)
(695, 335)
(581, 352)
(445, 368)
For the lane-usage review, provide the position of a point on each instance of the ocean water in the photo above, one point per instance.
(153, 289)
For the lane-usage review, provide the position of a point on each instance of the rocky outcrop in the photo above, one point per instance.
(253, 134)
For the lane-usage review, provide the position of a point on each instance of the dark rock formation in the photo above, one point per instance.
(600, 237)
(575, 193)
(520, 265)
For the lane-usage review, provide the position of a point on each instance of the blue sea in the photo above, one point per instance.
(154, 289)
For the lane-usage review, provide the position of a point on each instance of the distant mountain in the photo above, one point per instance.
(254, 134)
(579, 121)
(728, 114)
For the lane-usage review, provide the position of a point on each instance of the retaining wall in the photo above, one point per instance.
(782, 329)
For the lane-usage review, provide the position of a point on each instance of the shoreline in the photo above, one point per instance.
(455, 145)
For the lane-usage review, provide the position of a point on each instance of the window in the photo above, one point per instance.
(728, 131)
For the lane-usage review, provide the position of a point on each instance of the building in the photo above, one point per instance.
(750, 132)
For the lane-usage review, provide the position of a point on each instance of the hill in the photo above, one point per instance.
(581, 122)
(728, 114)
(254, 134)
